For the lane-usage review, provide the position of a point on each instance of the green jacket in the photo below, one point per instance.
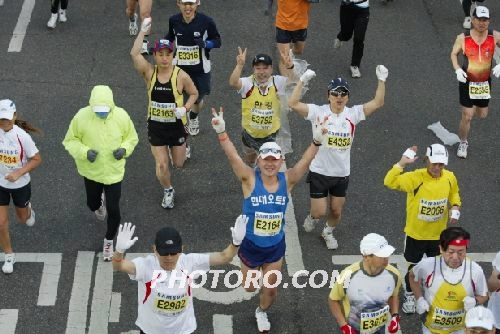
(87, 131)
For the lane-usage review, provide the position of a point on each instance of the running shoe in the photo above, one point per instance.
(133, 29)
(62, 15)
(310, 223)
(52, 21)
(100, 213)
(263, 324)
(194, 126)
(107, 250)
(8, 266)
(355, 73)
(467, 23)
(331, 242)
(462, 149)
(168, 198)
(337, 43)
(31, 220)
(188, 152)
(145, 47)
(1, 2)
(408, 303)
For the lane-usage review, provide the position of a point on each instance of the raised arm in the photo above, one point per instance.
(235, 78)
(238, 233)
(378, 101)
(294, 100)
(143, 67)
(124, 240)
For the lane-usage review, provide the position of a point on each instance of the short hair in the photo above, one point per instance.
(452, 233)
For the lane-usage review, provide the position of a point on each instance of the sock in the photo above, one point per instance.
(328, 229)
(193, 115)
(169, 190)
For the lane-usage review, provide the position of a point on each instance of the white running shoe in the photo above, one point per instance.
(462, 149)
(133, 29)
(337, 43)
(355, 73)
(1, 2)
(188, 152)
(31, 220)
(194, 126)
(263, 323)
(8, 266)
(467, 23)
(408, 303)
(331, 242)
(107, 250)
(62, 15)
(52, 21)
(145, 47)
(100, 213)
(168, 198)
(310, 223)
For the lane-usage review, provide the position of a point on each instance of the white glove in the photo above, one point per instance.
(422, 305)
(239, 229)
(469, 302)
(461, 75)
(218, 121)
(382, 72)
(124, 238)
(496, 70)
(319, 130)
(409, 153)
(146, 24)
(308, 75)
(455, 214)
(180, 112)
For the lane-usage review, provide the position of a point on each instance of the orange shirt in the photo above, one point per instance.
(292, 14)
(479, 57)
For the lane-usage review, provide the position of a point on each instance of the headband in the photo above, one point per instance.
(460, 242)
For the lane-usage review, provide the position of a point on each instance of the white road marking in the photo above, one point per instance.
(8, 320)
(16, 42)
(77, 315)
(223, 324)
(114, 311)
(101, 297)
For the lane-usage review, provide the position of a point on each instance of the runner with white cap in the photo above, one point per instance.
(494, 288)
(365, 297)
(479, 320)
(431, 192)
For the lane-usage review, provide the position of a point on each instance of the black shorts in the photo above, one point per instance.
(320, 185)
(161, 135)
(415, 249)
(202, 83)
(286, 36)
(256, 143)
(20, 196)
(466, 101)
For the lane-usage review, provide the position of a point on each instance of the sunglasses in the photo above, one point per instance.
(169, 254)
(271, 150)
(337, 93)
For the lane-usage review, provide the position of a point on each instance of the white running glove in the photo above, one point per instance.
(461, 75)
(218, 121)
(307, 76)
(319, 130)
(382, 72)
(409, 153)
(422, 305)
(125, 238)
(180, 112)
(146, 25)
(496, 70)
(469, 302)
(455, 214)
(239, 229)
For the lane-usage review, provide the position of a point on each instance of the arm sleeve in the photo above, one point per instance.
(130, 138)
(213, 36)
(73, 144)
(454, 192)
(397, 180)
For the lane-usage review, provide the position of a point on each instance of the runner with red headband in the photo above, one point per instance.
(448, 285)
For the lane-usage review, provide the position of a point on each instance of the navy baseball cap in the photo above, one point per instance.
(338, 83)
(262, 58)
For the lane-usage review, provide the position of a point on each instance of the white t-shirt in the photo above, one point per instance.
(16, 147)
(494, 305)
(279, 82)
(167, 307)
(334, 156)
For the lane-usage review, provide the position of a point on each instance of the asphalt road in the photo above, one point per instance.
(50, 78)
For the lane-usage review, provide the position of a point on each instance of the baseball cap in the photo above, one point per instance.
(7, 109)
(168, 241)
(164, 44)
(338, 83)
(437, 154)
(375, 244)
(479, 316)
(190, 1)
(101, 109)
(481, 11)
(262, 58)
(496, 262)
(270, 149)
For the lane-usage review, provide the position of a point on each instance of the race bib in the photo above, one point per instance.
(9, 160)
(188, 55)
(338, 141)
(479, 90)
(162, 112)
(262, 119)
(171, 306)
(445, 319)
(370, 322)
(431, 210)
(267, 224)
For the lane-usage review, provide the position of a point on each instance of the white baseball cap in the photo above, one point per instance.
(375, 244)
(270, 149)
(437, 154)
(7, 109)
(479, 316)
(481, 11)
(99, 109)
